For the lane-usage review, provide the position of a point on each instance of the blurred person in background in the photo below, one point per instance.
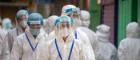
(129, 47)
(104, 50)
(85, 22)
(49, 25)
(4, 49)
(74, 12)
(6, 24)
(28, 45)
(21, 18)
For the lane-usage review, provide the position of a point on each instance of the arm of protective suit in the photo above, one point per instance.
(122, 51)
(16, 52)
(82, 55)
(5, 50)
(88, 50)
(86, 53)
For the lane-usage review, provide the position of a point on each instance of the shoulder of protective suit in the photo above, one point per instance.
(2, 31)
(13, 30)
(21, 36)
(78, 42)
(89, 30)
(124, 42)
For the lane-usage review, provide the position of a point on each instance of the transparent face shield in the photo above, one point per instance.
(35, 28)
(64, 29)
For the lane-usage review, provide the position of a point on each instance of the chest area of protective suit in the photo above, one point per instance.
(30, 49)
(64, 51)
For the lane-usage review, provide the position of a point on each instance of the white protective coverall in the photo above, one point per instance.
(58, 49)
(104, 49)
(4, 51)
(129, 47)
(12, 34)
(74, 12)
(42, 30)
(26, 47)
(85, 22)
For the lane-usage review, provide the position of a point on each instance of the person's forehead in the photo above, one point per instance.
(23, 16)
(35, 24)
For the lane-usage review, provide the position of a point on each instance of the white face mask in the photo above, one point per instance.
(35, 32)
(23, 24)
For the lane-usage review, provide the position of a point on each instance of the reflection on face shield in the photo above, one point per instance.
(64, 29)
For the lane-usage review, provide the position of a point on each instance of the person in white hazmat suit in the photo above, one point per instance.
(129, 47)
(21, 17)
(64, 46)
(29, 44)
(4, 51)
(85, 22)
(50, 25)
(49, 29)
(6, 24)
(74, 12)
(104, 49)
(42, 30)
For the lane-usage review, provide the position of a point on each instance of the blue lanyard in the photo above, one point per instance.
(75, 34)
(33, 48)
(59, 50)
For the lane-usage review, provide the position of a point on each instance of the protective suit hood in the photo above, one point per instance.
(21, 13)
(68, 9)
(6, 24)
(132, 30)
(103, 32)
(85, 18)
